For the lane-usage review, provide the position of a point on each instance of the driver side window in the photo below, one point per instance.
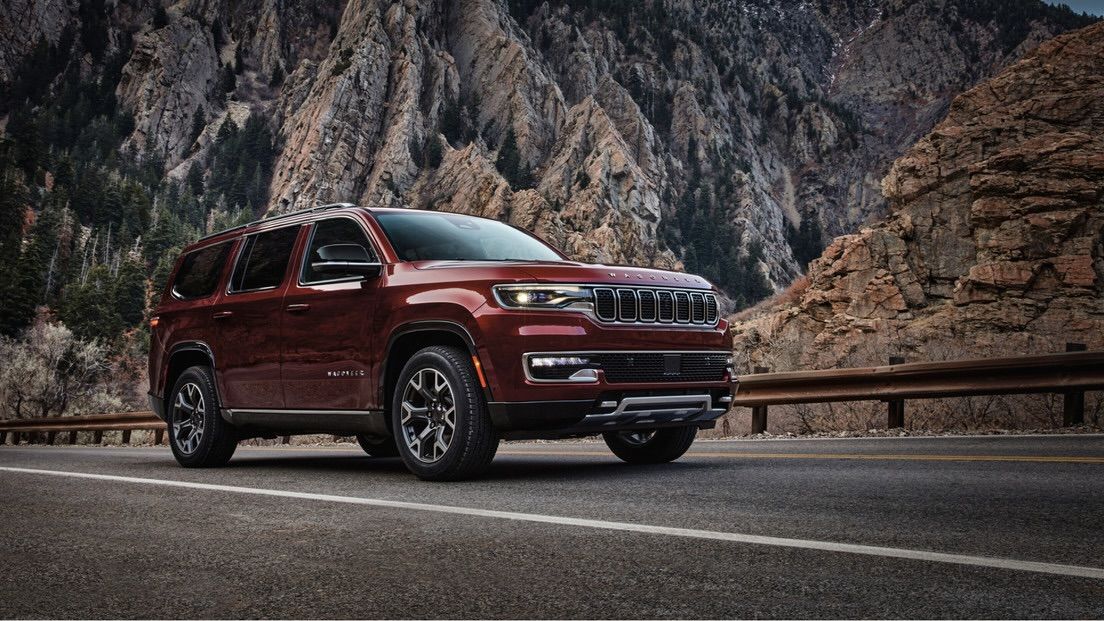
(330, 232)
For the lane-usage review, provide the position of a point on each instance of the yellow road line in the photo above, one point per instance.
(1060, 459)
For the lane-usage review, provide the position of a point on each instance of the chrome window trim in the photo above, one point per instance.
(310, 240)
(222, 270)
(241, 249)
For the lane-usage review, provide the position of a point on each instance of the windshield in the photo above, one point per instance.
(429, 235)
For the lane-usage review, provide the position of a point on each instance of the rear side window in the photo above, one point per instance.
(199, 272)
(263, 260)
(333, 231)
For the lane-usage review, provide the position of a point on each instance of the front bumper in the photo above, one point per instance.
(610, 412)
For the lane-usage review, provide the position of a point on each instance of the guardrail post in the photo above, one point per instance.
(759, 412)
(97, 437)
(285, 440)
(3, 437)
(158, 435)
(15, 438)
(50, 435)
(72, 437)
(126, 436)
(896, 407)
(1073, 402)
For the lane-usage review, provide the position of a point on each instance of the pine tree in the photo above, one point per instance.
(451, 124)
(199, 122)
(195, 178)
(277, 76)
(160, 17)
(130, 292)
(510, 164)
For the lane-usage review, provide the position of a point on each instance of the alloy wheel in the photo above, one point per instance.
(428, 417)
(637, 438)
(189, 411)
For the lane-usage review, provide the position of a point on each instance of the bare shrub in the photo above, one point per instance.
(50, 372)
(789, 295)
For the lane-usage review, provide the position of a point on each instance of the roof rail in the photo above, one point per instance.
(279, 217)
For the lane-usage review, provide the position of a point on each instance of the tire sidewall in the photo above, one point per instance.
(212, 419)
(459, 385)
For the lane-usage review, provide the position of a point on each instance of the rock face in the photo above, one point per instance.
(665, 132)
(995, 241)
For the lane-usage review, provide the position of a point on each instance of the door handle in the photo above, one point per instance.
(297, 308)
(223, 315)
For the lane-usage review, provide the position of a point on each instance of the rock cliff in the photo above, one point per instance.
(995, 239)
(683, 133)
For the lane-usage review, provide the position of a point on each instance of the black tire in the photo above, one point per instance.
(217, 438)
(472, 442)
(376, 447)
(663, 446)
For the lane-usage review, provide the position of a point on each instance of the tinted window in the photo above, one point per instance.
(334, 231)
(199, 271)
(264, 259)
(420, 235)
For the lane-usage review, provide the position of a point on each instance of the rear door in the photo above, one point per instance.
(248, 318)
(328, 339)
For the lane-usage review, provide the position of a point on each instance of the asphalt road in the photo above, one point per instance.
(734, 529)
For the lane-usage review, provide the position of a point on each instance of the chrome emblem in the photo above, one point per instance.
(346, 373)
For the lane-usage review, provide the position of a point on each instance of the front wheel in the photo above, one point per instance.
(198, 435)
(652, 446)
(442, 429)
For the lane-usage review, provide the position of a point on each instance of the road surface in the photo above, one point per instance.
(910, 527)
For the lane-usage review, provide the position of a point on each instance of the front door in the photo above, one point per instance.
(327, 326)
(248, 321)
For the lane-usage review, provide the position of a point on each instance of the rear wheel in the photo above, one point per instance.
(198, 435)
(375, 447)
(650, 446)
(442, 429)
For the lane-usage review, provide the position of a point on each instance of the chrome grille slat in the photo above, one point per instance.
(626, 305)
(605, 304)
(711, 309)
(697, 308)
(647, 298)
(682, 307)
(635, 305)
(666, 303)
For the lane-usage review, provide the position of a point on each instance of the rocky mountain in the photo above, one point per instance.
(995, 239)
(718, 136)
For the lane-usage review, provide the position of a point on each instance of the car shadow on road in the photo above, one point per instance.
(509, 467)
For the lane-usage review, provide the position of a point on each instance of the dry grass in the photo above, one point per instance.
(790, 295)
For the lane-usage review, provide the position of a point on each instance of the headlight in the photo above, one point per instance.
(544, 296)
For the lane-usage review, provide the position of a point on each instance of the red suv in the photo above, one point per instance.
(430, 336)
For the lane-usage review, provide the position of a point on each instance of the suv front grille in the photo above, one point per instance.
(625, 305)
(641, 367)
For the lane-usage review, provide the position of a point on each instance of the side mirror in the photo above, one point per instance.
(345, 259)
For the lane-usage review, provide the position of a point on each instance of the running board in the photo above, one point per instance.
(338, 422)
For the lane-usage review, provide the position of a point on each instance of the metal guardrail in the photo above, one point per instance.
(96, 423)
(1069, 374)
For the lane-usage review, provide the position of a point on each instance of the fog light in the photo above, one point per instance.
(557, 361)
(554, 368)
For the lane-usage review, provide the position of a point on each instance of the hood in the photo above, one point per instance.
(574, 272)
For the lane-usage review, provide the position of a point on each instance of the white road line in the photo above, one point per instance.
(783, 542)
